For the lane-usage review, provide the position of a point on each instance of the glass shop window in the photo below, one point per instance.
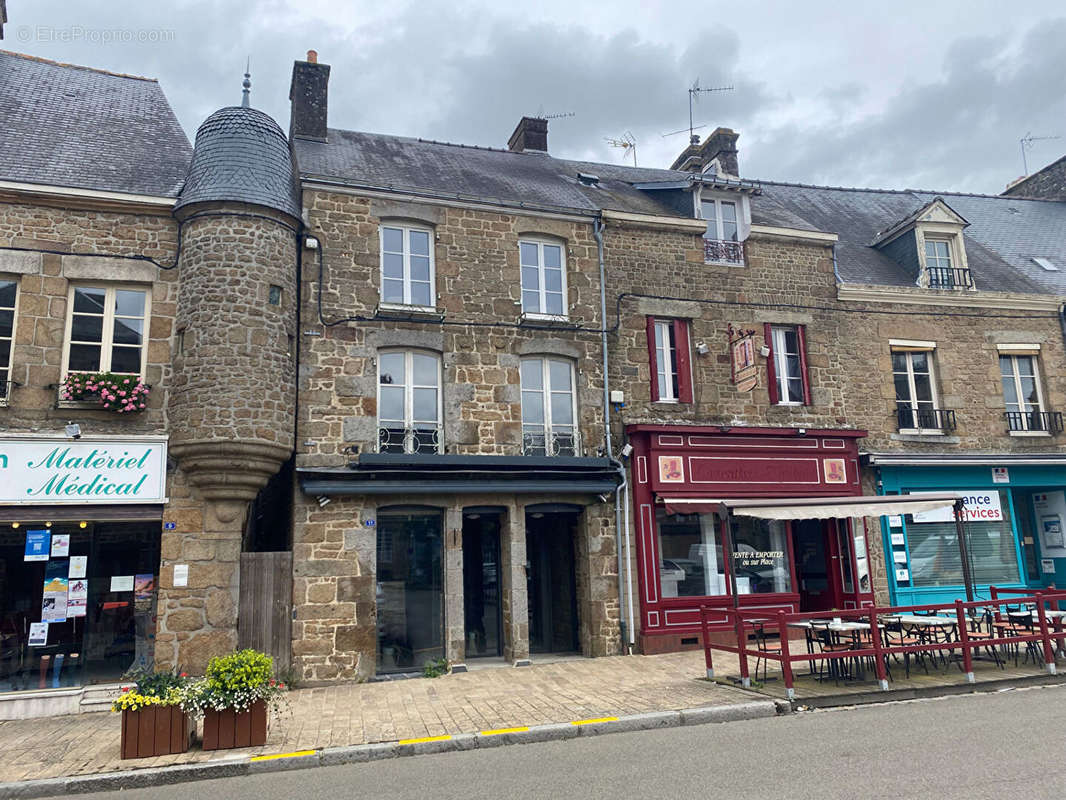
(77, 604)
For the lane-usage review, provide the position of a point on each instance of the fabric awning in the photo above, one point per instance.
(815, 507)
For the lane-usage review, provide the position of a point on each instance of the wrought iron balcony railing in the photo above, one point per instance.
(416, 439)
(558, 443)
(1047, 421)
(938, 419)
(723, 251)
(949, 278)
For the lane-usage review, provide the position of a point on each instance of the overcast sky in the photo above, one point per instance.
(931, 94)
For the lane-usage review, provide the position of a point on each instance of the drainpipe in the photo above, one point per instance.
(1062, 321)
(836, 269)
(597, 232)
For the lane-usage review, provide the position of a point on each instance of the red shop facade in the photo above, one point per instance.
(792, 565)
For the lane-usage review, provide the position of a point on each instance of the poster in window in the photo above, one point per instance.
(671, 469)
(78, 565)
(77, 597)
(1050, 510)
(143, 587)
(54, 598)
(38, 544)
(38, 634)
(834, 470)
(60, 545)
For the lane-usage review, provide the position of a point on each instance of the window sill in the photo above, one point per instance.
(1029, 434)
(666, 402)
(80, 405)
(529, 317)
(937, 437)
(739, 265)
(790, 405)
(410, 312)
(920, 432)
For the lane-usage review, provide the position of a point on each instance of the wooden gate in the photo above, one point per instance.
(265, 621)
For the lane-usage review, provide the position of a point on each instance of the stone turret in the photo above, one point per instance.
(232, 401)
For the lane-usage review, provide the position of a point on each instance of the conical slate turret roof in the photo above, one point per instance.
(241, 155)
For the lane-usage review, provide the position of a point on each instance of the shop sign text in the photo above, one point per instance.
(53, 470)
(976, 506)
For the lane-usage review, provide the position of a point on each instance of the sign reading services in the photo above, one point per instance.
(59, 470)
(977, 505)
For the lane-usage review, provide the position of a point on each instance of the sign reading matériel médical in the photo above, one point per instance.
(48, 470)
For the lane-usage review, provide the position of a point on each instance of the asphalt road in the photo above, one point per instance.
(1009, 744)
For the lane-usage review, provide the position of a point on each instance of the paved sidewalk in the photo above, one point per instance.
(353, 714)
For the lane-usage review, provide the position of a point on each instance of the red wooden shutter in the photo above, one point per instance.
(652, 361)
(684, 366)
(802, 340)
(771, 373)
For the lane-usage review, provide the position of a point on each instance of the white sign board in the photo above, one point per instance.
(978, 506)
(1000, 475)
(1050, 508)
(51, 470)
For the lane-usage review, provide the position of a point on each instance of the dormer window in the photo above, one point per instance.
(721, 243)
(929, 242)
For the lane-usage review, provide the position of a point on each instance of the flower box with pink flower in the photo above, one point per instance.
(119, 394)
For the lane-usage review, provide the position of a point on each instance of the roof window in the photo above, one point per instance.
(1045, 263)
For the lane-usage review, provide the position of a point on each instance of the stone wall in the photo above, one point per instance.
(43, 287)
(1048, 184)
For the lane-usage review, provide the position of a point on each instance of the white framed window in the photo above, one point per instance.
(409, 402)
(937, 254)
(788, 360)
(1022, 394)
(407, 268)
(721, 217)
(8, 299)
(543, 277)
(107, 330)
(916, 397)
(549, 407)
(666, 375)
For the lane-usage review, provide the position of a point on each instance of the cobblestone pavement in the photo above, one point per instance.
(350, 714)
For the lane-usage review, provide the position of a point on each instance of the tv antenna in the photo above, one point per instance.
(560, 115)
(694, 92)
(1027, 144)
(628, 142)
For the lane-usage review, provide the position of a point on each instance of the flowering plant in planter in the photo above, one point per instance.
(236, 681)
(123, 394)
(154, 721)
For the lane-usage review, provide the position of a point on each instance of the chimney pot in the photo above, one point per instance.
(312, 56)
(531, 133)
(721, 145)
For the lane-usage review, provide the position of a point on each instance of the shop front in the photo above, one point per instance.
(817, 560)
(80, 525)
(1015, 515)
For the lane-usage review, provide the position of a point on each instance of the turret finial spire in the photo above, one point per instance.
(247, 84)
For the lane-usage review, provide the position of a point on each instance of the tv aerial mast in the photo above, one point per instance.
(628, 142)
(1027, 144)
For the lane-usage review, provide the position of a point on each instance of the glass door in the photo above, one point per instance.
(410, 596)
(481, 584)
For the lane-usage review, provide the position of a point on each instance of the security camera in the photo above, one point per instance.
(73, 430)
(627, 450)
(702, 348)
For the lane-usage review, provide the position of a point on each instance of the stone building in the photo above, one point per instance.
(411, 400)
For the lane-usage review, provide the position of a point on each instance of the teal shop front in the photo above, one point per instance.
(1015, 524)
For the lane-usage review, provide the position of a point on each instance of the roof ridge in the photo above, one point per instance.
(873, 190)
(50, 62)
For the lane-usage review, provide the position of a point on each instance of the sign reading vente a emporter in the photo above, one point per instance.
(57, 470)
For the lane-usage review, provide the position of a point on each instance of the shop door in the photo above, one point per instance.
(551, 582)
(481, 584)
(410, 589)
(816, 554)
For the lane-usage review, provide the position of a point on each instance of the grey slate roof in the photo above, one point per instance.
(533, 179)
(64, 125)
(242, 155)
(999, 242)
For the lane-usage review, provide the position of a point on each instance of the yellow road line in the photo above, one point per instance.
(283, 755)
(443, 738)
(498, 731)
(592, 721)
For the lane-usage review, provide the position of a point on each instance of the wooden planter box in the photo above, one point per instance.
(155, 731)
(227, 729)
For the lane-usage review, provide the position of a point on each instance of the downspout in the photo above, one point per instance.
(836, 268)
(597, 232)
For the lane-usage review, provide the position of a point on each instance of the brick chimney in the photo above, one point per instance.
(307, 95)
(721, 145)
(530, 134)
